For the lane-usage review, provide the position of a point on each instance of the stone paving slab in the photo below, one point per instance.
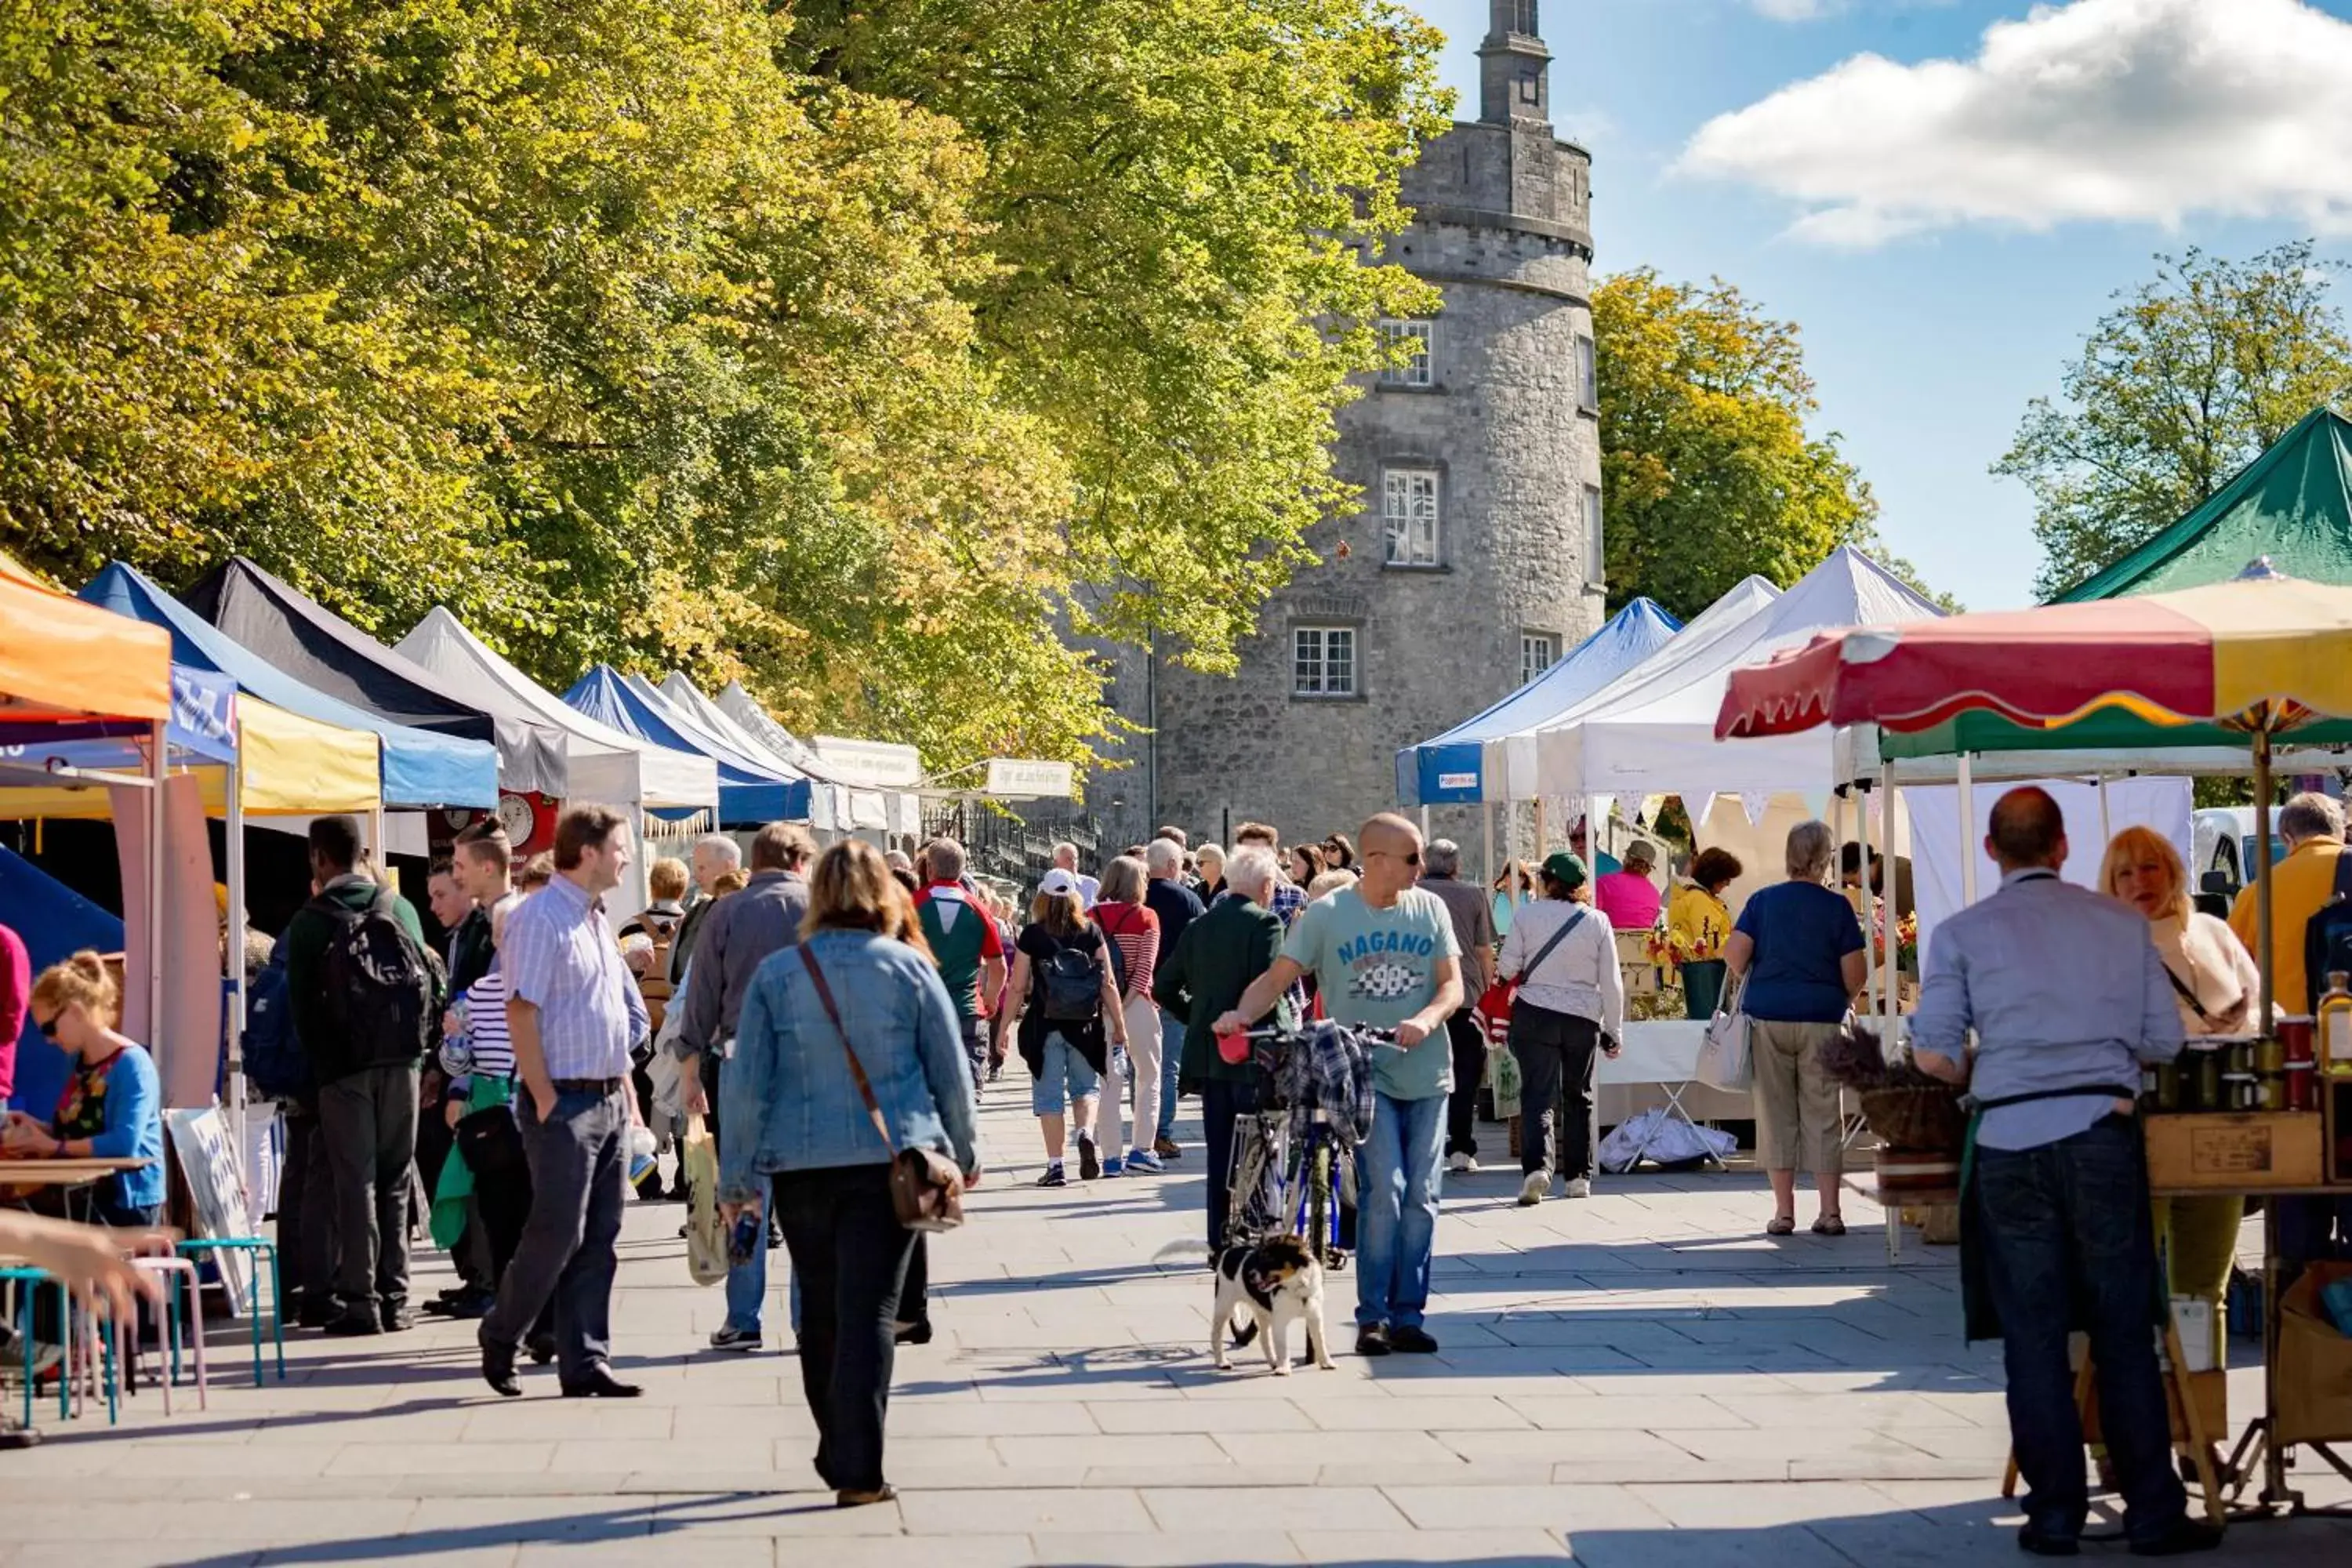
(1639, 1379)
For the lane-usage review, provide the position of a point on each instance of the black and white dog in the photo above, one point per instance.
(1280, 1281)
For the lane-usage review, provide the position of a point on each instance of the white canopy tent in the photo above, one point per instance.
(1515, 758)
(1652, 731)
(840, 806)
(606, 765)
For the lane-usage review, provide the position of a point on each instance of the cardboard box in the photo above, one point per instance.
(2210, 1390)
(2235, 1152)
(2315, 1367)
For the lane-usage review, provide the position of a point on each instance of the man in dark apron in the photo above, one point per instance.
(2067, 998)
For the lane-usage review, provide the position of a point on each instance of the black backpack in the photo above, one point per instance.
(274, 1064)
(381, 986)
(1071, 982)
(2328, 938)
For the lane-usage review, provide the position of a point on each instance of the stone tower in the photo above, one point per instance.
(1475, 560)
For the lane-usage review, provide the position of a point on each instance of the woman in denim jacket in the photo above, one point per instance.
(796, 1126)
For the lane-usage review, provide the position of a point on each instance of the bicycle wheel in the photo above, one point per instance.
(1318, 1203)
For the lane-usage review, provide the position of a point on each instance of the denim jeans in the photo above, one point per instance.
(747, 1288)
(1063, 1065)
(1172, 1057)
(1404, 1170)
(2068, 1243)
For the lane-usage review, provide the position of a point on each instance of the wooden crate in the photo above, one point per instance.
(2211, 1390)
(2236, 1152)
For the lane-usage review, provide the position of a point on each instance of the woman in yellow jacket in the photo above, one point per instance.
(1697, 925)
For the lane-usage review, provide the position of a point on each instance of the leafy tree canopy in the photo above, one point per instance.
(831, 348)
(1708, 469)
(2176, 389)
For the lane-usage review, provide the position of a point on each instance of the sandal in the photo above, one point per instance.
(1783, 1225)
(1828, 1224)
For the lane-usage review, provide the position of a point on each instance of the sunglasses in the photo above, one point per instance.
(48, 1027)
(1411, 859)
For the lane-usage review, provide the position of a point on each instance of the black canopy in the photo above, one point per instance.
(315, 646)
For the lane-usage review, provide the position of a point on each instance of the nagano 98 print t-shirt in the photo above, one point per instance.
(1379, 967)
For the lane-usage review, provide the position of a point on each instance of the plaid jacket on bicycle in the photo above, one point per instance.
(1330, 1069)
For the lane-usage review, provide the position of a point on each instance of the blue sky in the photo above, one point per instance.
(1944, 234)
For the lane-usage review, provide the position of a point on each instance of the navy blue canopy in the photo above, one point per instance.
(55, 922)
(751, 794)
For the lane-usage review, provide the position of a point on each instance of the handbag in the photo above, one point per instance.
(1727, 1057)
(926, 1188)
(1497, 1001)
(706, 1232)
(491, 1142)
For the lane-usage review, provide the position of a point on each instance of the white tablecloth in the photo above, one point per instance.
(1658, 1052)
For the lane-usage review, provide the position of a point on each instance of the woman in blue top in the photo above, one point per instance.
(112, 1107)
(1799, 947)
(798, 1131)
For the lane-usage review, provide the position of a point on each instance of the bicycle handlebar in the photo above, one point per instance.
(1365, 1031)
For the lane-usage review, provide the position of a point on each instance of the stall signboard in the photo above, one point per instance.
(870, 764)
(216, 1188)
(1021, 778)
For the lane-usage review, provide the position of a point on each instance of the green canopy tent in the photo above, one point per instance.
(2293, 504)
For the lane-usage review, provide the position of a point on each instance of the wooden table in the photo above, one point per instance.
(69, 1175)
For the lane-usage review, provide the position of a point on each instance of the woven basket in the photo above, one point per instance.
(1916, 1117)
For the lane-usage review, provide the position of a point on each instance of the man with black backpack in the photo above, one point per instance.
(366, 996)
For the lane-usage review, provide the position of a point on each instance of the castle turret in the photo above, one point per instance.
(1475, 558)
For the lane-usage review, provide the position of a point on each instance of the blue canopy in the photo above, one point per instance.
(202, 728)
(750, 795)
(1449, 770)
(55, 922)
(420, 768)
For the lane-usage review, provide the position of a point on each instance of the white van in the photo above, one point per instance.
(2224, 840)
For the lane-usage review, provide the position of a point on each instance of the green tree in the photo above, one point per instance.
(1708, 469)
(1179, 195)
(2176, 389)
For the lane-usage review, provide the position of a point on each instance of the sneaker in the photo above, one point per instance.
(1578, 1187)
(1089, 1163)
(1111, 1167)
(995, 1071)
(396, 1318)
(1413, 1340)
(1373, 1341)
(1462, 1163)
(730, 1338)
(1166, 1149)
(1535, 1189)
(1053, 1176)
(1144, 1160)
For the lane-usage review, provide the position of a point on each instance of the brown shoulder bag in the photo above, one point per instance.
(926, 1188)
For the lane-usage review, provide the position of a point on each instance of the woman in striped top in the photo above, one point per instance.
(1119, 910)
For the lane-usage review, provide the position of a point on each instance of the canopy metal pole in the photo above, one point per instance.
(2263, 878)
(2106, 829)
(1425, 824)
(1540, 832)
(235, 835)
(1966, 779)
(158, 747)
(1859, 799)
(1894, 910)
(1487, 840)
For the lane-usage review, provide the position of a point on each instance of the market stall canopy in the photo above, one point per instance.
(2293, 505)
(1449, 769)
(743, 707)
(315, 646)
(606, 764)
(750, 794)
(2264, 653)
(286, 765)
(418, 768)
(833, 807)
(1653, 732)
(62, 659)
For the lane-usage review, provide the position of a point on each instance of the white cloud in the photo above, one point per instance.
(2097, 111)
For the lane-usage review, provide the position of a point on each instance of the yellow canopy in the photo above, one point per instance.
(291, 766)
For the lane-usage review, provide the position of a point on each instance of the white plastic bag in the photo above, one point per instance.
(1726, 1061)
(705, 1233)
(1659, 1135)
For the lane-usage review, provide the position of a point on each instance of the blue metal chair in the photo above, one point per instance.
(32, 1279)
(210, 1247)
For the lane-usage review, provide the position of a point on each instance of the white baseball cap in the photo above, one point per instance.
(1058, 881)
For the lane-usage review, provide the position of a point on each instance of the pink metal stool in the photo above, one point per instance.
(172, 1272)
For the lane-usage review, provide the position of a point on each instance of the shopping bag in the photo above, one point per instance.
(1506, 1073)
(705, 1233)
(1726, 1061)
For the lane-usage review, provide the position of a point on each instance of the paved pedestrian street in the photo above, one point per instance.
(1642, 1379)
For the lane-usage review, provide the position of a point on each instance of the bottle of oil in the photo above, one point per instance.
(2335, 1027)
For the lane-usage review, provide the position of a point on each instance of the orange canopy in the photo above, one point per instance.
(60, 658)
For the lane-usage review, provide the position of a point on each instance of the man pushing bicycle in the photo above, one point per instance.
(1385, 955)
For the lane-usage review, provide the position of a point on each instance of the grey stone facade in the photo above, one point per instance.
(1503, 436)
